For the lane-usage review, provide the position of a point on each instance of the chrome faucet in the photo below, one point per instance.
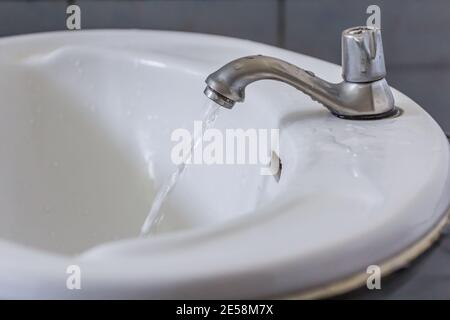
(364, 93)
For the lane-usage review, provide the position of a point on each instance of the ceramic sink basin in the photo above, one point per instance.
(85, 125)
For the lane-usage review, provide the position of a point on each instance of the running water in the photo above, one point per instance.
(155, 215)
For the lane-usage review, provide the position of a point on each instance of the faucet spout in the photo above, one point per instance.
(364, 93)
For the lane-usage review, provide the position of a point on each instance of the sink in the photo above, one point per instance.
(85, 128)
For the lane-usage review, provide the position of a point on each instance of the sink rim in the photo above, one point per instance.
(121, 252)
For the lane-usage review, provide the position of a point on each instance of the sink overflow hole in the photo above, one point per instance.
(275, 163)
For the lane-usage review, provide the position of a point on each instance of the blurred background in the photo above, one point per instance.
(416, 38)
(416, 33)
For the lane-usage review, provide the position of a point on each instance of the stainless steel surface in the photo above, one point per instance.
(218, 98)
(356, 100)
(362, 55)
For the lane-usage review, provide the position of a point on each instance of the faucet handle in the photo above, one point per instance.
(362, 55)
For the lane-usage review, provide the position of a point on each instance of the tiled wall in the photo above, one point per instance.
(416, 33)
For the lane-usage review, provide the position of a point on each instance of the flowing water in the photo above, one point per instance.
(155, 215)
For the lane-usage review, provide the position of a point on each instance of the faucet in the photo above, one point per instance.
(363, 94)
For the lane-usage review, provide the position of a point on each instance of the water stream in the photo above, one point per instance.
(155, 215)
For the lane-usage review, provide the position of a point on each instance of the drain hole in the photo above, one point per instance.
(276, 166)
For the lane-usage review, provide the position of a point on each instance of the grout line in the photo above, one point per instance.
(281, 23)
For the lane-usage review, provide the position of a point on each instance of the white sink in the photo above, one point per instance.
(85, 124)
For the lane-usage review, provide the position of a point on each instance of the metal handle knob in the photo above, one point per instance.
(362, 55)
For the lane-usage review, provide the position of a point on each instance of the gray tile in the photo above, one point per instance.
(414, 31)
(428, 86)
(17, 17)
(249, 19)
(314, 27)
